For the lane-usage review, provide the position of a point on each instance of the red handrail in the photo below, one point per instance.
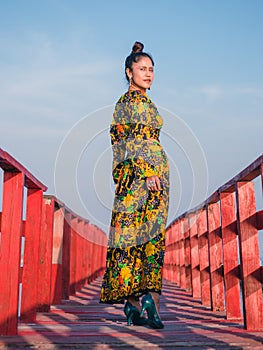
(212, 250)
(74, 250)
(59, 248)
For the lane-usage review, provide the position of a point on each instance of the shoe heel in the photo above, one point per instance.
(129, 319)
(128, 312)
(154, 320)
(133, 315)
(144, 308)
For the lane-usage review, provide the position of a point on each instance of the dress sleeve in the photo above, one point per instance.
(119, 134)
(119, 131)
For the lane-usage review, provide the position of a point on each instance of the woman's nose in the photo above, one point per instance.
(148, 73)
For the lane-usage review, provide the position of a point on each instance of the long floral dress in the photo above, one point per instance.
(136, 244)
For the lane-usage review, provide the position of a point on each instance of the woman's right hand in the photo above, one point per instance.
(153, 183)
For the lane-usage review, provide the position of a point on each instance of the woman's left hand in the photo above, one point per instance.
(153, 183)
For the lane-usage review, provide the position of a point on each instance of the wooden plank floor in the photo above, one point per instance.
(83, 323)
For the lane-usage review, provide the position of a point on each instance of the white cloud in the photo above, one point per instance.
(214, 91)
(59, 94)
(211, 91)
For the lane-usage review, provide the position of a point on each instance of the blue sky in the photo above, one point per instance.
(61, 65)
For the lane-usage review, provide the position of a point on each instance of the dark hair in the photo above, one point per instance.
(135, 55)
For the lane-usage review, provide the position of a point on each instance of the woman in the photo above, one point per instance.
(141, 173)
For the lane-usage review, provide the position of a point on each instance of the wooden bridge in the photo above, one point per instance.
(51, 262)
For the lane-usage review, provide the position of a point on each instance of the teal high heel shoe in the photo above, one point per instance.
(133, 315)
(148, 305)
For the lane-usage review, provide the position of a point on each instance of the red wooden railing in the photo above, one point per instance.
(213, 251)
(51, 254)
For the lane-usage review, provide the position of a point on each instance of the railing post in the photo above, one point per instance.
(73, 246)
(182, 254)
(31, 255)
(168, 256)
(10, 251)
(82, 274)
(174, 255)
(95, 249)
(86, 268)
(56, 285)
(203, 257)
(215, 257)
(172, 258)
(195, 266)
(92, 253)
(99, 254)
(82, 252)
(45, 256)
(177, 252)
(78, 255)
(230, 248)
(89, 252)
(188, 279)
(66, 255)
(170, 261)
(98, 250)
(249, 255)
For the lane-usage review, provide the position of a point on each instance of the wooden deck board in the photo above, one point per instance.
(84, 323)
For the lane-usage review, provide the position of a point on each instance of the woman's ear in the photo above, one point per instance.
(128, 72)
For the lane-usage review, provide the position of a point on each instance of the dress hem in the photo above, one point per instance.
(122, 300)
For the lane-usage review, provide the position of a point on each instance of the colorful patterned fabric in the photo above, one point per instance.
(137, 234)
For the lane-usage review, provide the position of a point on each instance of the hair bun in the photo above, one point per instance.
(137, 47)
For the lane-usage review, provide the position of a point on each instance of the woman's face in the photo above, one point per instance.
(142, 74)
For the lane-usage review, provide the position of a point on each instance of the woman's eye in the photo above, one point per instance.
(144, 69)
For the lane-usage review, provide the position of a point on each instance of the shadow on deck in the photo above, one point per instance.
(83, 323)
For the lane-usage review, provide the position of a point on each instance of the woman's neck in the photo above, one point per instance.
(136, 88)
